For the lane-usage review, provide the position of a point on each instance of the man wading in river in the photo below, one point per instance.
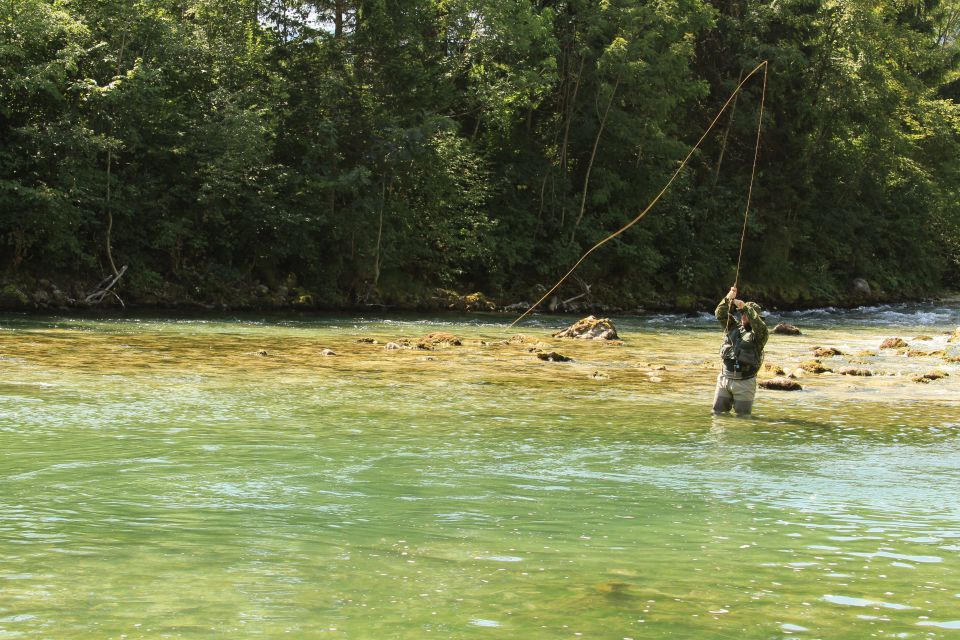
(742, 353)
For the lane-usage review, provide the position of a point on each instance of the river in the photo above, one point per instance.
(219, 477)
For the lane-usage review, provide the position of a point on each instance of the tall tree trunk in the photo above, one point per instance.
(593, 155)
(376, 253)
(113, 266)
(109, 240)
(338, 19)
(566, 132)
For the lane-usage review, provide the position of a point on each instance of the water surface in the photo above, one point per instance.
(195, 478)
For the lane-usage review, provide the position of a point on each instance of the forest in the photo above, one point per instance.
(335, 154)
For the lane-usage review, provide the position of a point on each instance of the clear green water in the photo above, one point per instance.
(159, 479)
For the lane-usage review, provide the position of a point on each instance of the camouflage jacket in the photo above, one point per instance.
(742, 349)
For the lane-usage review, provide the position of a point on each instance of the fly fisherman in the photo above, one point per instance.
(742, 354)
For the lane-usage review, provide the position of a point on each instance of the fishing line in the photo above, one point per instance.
(746, 211)
(763, 65)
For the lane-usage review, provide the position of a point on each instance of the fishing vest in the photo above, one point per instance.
(741, 357)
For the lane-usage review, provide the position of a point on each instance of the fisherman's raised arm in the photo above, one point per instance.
(723, 309)
(757, 325)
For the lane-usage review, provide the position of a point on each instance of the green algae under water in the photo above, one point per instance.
(166, 479)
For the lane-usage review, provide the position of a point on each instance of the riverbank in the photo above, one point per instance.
(43, 295)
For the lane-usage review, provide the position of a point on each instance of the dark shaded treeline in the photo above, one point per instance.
(346, 152)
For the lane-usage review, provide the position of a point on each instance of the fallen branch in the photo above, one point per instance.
(101, 290)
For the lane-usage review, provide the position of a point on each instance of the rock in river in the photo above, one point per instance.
(893, 343)
(553, 356)
(781, 384)
(437, 338)
(815, 366)
(933, 375)
(786, 329)
(855, 371)
(826, 352)
(590, 328)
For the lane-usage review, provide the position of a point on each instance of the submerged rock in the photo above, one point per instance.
(590, 328)
(612, 588)
(553, 356)
(367, 340)
(392, 346)
(786, 329)
(597, 375)
(437, 338)
(328, 352)
(780, 384)
(955, 337)
(932, 375)
(775, 369)
(917, 353)
(893, 343)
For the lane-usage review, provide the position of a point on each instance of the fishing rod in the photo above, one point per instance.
(746, 211)
(763, 65)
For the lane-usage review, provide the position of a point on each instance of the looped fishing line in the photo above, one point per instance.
(763, 65)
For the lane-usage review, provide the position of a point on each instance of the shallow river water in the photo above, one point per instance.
(198, 478)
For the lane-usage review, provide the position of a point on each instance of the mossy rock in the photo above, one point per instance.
(866, 353)
(438, 338)
(855, 371)
(11, 297)
(453, 301)
(826, 352)
(930, 376)
(917, 353)
(685, 302)
(924, 338)
(780, 384)
(590, 328)
(478, 302)
(774, 369)
(893, 343)
(814, 366)
(553, 356)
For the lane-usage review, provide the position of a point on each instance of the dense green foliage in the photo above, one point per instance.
(371, 151)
